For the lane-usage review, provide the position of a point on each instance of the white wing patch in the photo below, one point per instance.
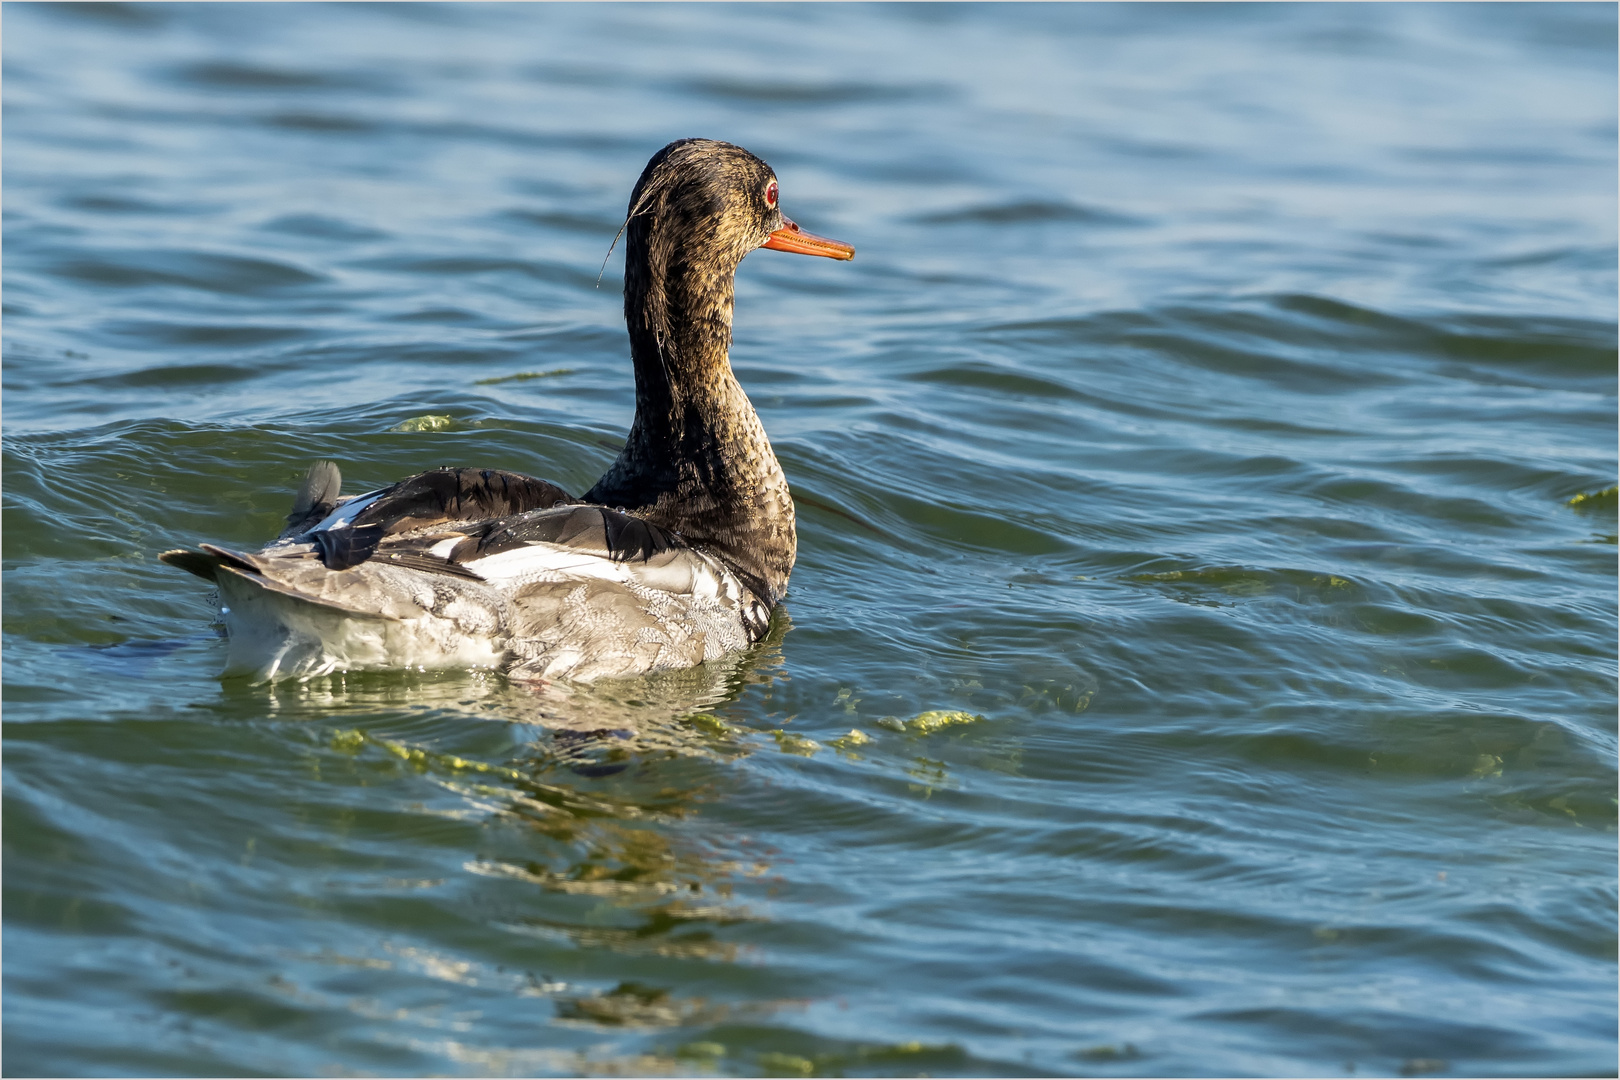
(683, 571)
(535, 559)
(348, 511)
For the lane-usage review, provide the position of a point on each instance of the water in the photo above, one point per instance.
(1183, 468)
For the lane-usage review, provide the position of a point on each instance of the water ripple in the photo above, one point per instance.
(1201, 654)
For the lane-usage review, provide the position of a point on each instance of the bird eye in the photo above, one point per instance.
(770, 195)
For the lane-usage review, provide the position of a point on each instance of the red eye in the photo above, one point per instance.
(770, 194)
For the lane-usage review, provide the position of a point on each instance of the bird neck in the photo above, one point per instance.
(697, 460)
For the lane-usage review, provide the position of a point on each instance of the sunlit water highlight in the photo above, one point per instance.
(1195, 662)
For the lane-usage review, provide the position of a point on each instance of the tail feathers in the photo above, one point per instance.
(203, 565)
(294, 593)
(317, 496)
(208, 562)
(388, 588)
(370, 591)
(216, 564)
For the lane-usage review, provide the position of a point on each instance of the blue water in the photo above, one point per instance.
(1189, 474)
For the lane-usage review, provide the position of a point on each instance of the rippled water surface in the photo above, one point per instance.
(1196, 662)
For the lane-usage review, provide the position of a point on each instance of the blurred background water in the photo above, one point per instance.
(1185, 471)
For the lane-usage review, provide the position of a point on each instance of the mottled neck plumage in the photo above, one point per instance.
(697, 460)
(679, 316)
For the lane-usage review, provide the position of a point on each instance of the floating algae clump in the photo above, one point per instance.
(1592, 500)
(348, 741)
(524, 376)
(702, 1050)
(789, 743)
(774, 1064)
(429, 422)
(926, 723)
(934, 719)
(846, 744)
(708, 722)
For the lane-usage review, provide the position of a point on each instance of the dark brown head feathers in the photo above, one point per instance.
(717, 190)
(699, 207)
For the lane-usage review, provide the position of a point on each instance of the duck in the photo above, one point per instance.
(676, 556)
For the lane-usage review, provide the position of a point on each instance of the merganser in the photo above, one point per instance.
(676, 556)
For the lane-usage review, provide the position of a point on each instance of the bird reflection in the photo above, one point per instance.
(589, 807)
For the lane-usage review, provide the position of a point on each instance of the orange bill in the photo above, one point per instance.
(792, 238)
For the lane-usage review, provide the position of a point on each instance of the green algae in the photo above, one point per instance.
(857, 1059)
(1243, 581)
(926, 723)
(776, 1064)
(524, 376)
(347, 741)
(846, 744)
(426, 422)
(1122, 1052)
(856, 737)
(789, 743)
(702, 1051)
(1596, 500)
(532, 793)
(709, 723)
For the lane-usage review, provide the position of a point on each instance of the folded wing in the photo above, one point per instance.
(558, 588)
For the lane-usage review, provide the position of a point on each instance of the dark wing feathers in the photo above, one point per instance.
(631, 537)
(349, 546)
(433, 564)
(593, 530)
(430, 498)
(589, 530)
(458, 495)
(497, 510)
